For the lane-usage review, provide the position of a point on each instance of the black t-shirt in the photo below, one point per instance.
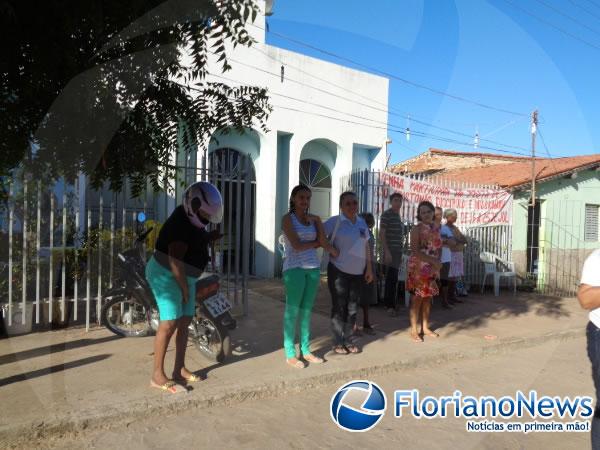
(178, 228)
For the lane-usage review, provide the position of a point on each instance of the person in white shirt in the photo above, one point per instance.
(589, 298)
(347, 271)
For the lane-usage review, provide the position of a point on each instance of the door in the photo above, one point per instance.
(533, 238)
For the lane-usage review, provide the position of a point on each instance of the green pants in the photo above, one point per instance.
(301, 287)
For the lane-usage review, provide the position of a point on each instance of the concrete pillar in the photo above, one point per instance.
(297, 142)
(266, 185)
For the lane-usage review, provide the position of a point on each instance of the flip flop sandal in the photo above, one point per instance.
(340, 350)
(170, 386)
(191, 379)
(295, 363)
(433, 334)
(353, 349)
(313, 359)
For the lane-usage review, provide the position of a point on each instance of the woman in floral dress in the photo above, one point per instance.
(423, 269)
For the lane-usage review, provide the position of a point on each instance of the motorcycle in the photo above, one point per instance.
(130, 308)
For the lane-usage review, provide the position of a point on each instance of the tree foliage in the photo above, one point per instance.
(112, 88)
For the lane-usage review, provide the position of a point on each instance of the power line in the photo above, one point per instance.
(277, 75)
(390, 127)
(393, 130)
(547, 151)
(393, 113)
(544, 21)
(396, 77)
(593, 3)
(559, 12)
(585, 9)
(393, 76)
(397, 128)
(386, 128)
(324, 80)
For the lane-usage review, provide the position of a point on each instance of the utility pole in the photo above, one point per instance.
(534, 123)
(531, 221)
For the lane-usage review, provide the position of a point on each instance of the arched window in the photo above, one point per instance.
(228, 162)
(314, 174)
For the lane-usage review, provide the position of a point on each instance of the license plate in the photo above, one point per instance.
(217, 305)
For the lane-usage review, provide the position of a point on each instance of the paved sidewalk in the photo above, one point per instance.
(65, 381)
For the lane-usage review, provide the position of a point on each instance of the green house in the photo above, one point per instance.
(550, 240)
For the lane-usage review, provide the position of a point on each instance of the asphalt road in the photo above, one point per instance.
(303, 420)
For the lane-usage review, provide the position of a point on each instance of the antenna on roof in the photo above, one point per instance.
(476, 139)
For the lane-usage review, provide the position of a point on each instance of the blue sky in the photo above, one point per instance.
(490, 52)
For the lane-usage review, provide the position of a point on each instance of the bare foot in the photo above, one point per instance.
(416, 337)
(313, 359)
(430, 333)
(159, 378)
(296, 363)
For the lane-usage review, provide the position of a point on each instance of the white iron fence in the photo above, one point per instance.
(59, 241)
(373, 194)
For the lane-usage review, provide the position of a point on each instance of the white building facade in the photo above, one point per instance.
(327, 121)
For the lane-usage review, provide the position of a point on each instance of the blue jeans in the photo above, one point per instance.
(593, 350)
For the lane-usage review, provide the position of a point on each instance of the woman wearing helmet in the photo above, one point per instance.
(180, 257)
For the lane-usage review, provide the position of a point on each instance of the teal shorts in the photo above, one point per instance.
(167, 292)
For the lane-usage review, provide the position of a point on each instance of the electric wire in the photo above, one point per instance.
(390, 75)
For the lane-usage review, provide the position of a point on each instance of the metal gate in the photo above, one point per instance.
(372, 197)
(58, 242)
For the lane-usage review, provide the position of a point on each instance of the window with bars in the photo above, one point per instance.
(592, 223)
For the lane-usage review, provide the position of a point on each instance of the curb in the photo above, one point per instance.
(126, 413)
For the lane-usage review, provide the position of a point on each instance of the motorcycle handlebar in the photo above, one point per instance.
(142, 237)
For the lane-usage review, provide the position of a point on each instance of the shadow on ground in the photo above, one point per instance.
(476, 311)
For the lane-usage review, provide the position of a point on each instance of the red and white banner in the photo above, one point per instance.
(475, 206)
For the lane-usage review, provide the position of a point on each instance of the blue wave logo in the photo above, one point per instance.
(358, 406)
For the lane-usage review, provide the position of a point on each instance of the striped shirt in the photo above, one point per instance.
(395, 230)
(307, 259)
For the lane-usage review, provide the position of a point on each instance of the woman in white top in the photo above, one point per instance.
(347, 271)
(302, 235)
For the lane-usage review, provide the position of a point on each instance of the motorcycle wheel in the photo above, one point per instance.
(126, 316)
(210, 338)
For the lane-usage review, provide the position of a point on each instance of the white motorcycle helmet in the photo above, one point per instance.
(203, 204)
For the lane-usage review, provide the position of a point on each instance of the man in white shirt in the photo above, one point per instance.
(589, 298)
